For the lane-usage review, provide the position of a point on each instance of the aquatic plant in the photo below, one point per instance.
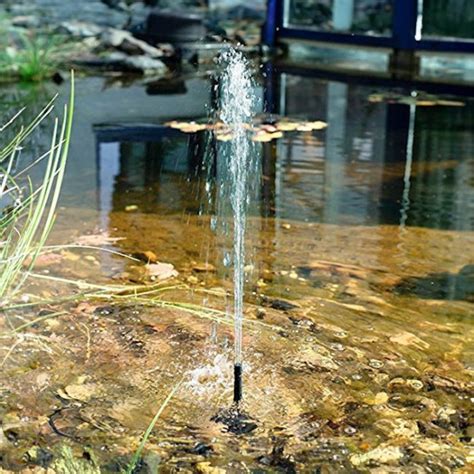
(138, 452)
(27, 57)
(28, 212)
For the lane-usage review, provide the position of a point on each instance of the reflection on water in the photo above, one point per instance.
(376, 164)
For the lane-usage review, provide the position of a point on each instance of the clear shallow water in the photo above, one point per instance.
(366, 227)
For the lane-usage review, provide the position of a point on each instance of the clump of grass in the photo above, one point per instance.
(27, 215)
(35, 60)
(24, 56)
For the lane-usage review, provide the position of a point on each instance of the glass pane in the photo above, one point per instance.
(370, 17)
(451, 18)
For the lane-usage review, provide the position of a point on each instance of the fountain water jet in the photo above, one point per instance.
(239, 160)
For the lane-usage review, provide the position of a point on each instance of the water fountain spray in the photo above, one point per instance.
(237, 104)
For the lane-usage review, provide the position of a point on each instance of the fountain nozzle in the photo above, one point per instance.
(237, 383)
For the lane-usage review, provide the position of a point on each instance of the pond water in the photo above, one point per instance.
(358, 328)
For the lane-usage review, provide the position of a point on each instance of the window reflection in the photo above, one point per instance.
(448, 18)
(372, 17)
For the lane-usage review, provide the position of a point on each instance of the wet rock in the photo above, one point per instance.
(140, 64)
(79, 29)
(3, 439)
(409, 339)
(235, 420)
(278, 460)
(469, 433)
(303, 323)
(376, 364)
(446, 384)
(43, 261)
(105, 310)
(81, 392)
(202, 449)
(147, 256)
(39, 456)
(161, 271)
(378, 399)
(125, 42)
(279, 304)
(380, 455)
(350, 430)
(206, 468)
(66, 462)
(25, 21)
(397, 428)
(118, 61)
(152, 461)
(429, 429)
(450, 419)
(204, 267)
(309, 360)
(399, 384)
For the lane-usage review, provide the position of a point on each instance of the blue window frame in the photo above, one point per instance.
(405, 35)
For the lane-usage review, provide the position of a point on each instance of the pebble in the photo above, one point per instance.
(206, 468)
(204, 267)
(376, 364)
(382, 455)
(350, 430)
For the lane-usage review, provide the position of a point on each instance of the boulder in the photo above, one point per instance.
(139, 64)
(124, 41)
(118, 61)
(79, 29)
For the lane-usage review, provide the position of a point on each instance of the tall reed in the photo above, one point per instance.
(27, 213)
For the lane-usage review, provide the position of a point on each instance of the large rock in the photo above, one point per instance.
(79, 29)
(119, 61)
(381, 455)
(124, 41)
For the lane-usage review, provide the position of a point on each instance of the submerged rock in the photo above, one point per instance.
(398, 428)
(204, 267)
(39, 456)
(206, 468)
(67, 463)
(235, 420)
(380, 455)
(161, 271)
(146, 256)
(278, 459)
(279, 304)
